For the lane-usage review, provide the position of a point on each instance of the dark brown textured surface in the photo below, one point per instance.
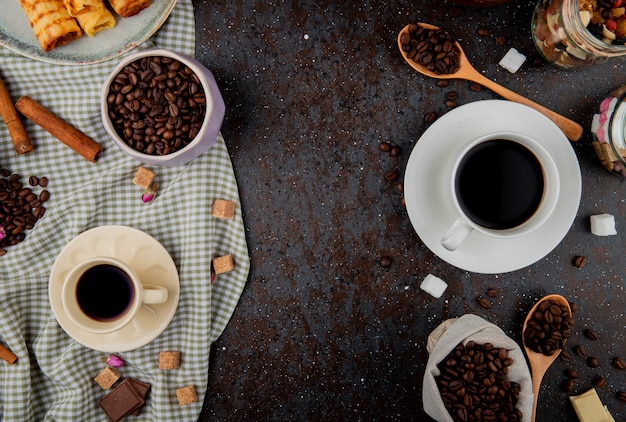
(322, 331)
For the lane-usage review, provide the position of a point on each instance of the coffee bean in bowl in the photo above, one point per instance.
(162, 107)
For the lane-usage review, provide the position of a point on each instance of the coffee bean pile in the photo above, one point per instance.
(433, 48)
(548, 328)
(20, 206)
(474, 386)
(156, 105)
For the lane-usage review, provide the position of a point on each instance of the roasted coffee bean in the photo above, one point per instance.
(621, 396)
(156, 105)
(452, 95)
(618, 363)
(451, 104)
(484, 303)
(442, 83)
(33, 180)
(548, 328)
(473, 377)
(432, 48)
(483, 31)
(385, 261)
(500, 41)
(430, 117)
(491, 292)
(568, 385)
(599, 381)
(395, 151)
(580, 261)
(590, 334)
(476, 87)
(391, 175)
(580, 351)
(573, 307)
(566, 356)
(593, 362)
(570, 373)
(385, 146)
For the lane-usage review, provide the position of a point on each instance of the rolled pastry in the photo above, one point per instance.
(92, 15)
(51, 23)
(127, 8)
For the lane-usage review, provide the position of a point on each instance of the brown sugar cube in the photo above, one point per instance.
(223, 264)
(223, 208)
(186, 395)
(107, 377)
(7, 355)
(169, 360)
(144, 178)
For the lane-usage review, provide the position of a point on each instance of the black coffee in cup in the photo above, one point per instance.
(105, 292)
(499, 184)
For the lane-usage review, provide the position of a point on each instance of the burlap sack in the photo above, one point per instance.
(471, 327)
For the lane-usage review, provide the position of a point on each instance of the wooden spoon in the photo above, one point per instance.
(539, 363)
(571, 129)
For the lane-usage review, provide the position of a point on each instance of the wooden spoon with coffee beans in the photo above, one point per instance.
(466, 71)
(540, 362)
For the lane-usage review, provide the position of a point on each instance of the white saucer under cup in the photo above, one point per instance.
(428, 195)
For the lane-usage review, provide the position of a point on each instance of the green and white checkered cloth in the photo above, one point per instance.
(53, 377)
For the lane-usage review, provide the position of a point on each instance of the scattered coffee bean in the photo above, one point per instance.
(395, 151)
(568, 385)
(43, 181)
(452, 95)
(442, 83)
(483, 31)
(432, 48)
(33, 180)
(573, 307)
(474, 386)
(570, 373)
(566, 356)
(430, 117)
(593, 362)
(618, 363)
(484, 303)
(385, 261)
(391, 175)
(621, 396)
(599, 381)
(580, 261)
(500, 41)
(475, 87)
(548, 328)
(156, 105)
(451, 104)
(400, 187)
(491, 292)
(385, 146)
(590, 334)
(578, 349)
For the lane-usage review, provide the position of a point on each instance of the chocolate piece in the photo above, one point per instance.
(121, 401)
(143, 388)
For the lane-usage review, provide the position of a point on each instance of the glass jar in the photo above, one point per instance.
(609, 132)
(571, 33)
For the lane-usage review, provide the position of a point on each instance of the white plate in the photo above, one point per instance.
(428, 197)
(16, 34)
(147, 257)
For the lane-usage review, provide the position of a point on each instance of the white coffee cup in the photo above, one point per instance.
(103, 294)
(476, 207)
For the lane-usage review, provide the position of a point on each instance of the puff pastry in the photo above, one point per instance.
(127, 8)
(52, 24)
(92, 15)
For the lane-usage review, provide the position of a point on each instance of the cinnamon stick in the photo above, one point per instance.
(7, 355)
(59, 128)
(18, 134)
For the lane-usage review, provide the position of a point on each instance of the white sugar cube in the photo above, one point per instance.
(512, 60)
(603, 225)
(434, 285)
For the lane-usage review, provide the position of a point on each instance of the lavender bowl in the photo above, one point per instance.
(208, 131)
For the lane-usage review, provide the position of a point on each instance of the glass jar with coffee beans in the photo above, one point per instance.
(571, 33)
(608, 128)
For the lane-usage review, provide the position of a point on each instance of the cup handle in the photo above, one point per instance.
(456, 234)
(154, 294)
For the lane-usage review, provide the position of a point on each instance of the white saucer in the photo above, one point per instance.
(428, 197)
(147, 257)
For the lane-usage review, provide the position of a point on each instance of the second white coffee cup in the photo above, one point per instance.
(103, 294)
